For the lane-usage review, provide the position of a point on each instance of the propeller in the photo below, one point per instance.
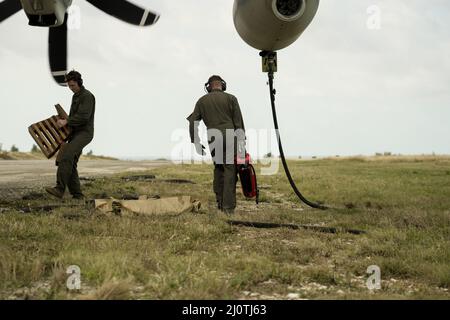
(57, 52)
(126, 11)
(8, 8)
(120, 9)
(57, 38)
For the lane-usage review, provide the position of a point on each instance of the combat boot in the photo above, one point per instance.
(78, 196)
(55, 192)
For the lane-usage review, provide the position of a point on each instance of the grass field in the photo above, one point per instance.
(403, 203)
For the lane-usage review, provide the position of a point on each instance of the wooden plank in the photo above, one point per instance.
(47, 135)
(38, 135)
(53, 122)
(43, 135)
(36, 138)
(61, 113)
(61, 132)
(46, 149)
(53, 130)
(46, 123)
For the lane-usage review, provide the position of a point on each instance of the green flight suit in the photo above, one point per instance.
(81, 123)
(222, 116)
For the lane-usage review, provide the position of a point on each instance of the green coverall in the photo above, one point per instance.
(81, 123)
(220, 112)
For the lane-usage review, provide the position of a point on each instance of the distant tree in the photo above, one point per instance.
(34, 148)
(90, 153)
(1, 146)
(268, 155)
(14, 148)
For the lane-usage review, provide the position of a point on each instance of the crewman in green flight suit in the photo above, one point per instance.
(81, 123)
(222, 116)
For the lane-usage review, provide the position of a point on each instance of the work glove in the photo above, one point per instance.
(200, 149)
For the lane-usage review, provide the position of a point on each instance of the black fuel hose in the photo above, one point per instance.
(280, 147)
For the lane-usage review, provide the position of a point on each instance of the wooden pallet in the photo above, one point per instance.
(47, 135)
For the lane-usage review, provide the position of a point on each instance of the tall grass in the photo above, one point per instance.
(402, 203)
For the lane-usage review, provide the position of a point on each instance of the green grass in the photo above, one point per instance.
(402, 203)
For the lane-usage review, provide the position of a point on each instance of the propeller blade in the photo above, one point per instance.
(126, 11)
(57, 52)
(8, 8)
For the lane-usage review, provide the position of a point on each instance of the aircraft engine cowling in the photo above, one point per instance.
(45, 13)
(272, 25)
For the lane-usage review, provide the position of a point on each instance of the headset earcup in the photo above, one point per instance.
(208, 85)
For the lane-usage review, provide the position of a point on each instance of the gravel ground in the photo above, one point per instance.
(18, 177)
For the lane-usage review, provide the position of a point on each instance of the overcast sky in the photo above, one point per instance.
(343, 88)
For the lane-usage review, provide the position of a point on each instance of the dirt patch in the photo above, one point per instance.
(20, 178)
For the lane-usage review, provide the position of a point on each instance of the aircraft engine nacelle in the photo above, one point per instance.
(45, 13)
(272, 25)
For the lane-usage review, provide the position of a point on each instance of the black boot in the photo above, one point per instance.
(55, 192)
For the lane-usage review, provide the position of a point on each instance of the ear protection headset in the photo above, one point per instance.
(215, 78)
(75, 76)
